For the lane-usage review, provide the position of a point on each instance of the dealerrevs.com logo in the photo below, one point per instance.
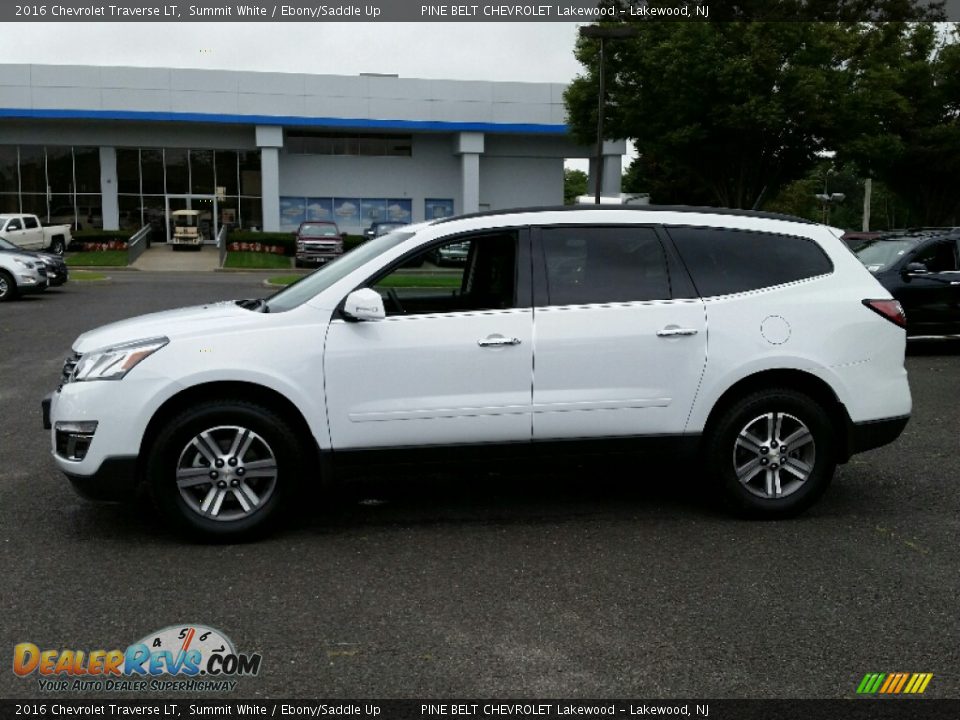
(178, 658)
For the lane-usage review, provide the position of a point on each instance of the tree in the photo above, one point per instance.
(728, 113)
(721, 113)
(901, 123)
(574, 185)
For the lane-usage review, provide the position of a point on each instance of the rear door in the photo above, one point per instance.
(618, 352)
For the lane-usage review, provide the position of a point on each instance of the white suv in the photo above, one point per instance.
(756, 342)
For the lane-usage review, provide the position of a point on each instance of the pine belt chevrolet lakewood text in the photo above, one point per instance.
(757, 343)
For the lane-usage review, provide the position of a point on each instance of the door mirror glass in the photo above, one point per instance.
(916, 268)
(364, 304)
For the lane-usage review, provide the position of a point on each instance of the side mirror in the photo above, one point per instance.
(916, 268)
(364, 304)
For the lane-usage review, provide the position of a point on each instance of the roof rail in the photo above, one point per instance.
(634, 208)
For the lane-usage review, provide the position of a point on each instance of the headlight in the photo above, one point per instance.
(114, 362)
(23, 263)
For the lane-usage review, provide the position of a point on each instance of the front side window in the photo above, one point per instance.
(723, 261)
(587, 265)
(462, 275)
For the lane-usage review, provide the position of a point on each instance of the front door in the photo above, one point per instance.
(452, 361)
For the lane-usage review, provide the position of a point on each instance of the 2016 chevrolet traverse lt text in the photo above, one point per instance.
(755, 343)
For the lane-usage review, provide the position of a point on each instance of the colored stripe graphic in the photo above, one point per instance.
(894, 683)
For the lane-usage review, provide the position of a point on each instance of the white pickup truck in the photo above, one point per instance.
(26, 231)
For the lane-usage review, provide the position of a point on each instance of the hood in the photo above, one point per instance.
(208, 319)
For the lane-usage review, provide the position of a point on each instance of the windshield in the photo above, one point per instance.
(319, 280)
(878, 255)
(319, 231)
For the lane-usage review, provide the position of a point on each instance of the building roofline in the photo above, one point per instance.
(286, 121)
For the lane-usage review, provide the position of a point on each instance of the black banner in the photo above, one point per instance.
(854, 709)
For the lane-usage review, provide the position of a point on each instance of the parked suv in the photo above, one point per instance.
(754, 345)
(21, 273)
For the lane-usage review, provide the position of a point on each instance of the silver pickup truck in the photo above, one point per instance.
(25, 231)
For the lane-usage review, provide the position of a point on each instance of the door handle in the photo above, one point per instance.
(497, 341)
(676, 332)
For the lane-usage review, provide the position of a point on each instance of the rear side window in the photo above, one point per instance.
(587, 265)
(30, 223)
(722, 261)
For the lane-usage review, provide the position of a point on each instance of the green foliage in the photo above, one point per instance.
(103, 258)
(574, 185)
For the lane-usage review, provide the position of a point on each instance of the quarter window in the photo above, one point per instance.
(722, 261)
(587, 265)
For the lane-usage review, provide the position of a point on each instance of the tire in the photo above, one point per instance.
(57, 246)
(743, 453)
(8, 286)
(218, 500)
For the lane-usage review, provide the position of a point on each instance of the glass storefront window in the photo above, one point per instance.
(89, 212)
(128, 171)
(177, 165)
(154, 215)
(62, 210)
(249, 172)
(60, 171)
(251, 213)
(9, 203)
(35, 204)
(9, 177)
(226, 164)
(151, 168)
(33, 171)
(130, 212)
(86, 161)
(201, 172)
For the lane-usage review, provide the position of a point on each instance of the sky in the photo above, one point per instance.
(531, 52)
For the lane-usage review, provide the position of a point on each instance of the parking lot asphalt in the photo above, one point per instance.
(595, 582)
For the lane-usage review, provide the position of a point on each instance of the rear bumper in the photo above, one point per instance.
(865, 436)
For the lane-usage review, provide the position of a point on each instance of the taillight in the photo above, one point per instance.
(890, 309)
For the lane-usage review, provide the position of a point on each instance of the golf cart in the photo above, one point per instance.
(186, 229)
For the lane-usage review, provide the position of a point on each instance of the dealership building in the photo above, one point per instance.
(121, 147)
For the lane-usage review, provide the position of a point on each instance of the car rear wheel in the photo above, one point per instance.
(225, 469)
(57, 246)
(774, 453)
(8, 286)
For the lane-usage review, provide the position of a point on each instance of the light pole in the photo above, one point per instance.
(602, 33)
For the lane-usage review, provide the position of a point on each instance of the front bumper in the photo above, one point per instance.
(114, 481)
(317, 258)
(32, 282)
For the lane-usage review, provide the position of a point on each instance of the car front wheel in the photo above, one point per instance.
(774, 452)
(8, 286)
(225, 469)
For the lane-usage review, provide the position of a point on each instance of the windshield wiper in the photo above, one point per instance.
(254, 305)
